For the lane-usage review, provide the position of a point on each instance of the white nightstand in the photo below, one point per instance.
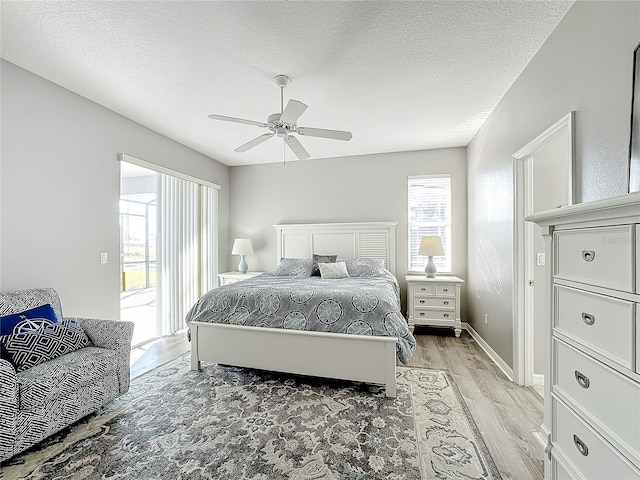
(232, 277)
(434, 301)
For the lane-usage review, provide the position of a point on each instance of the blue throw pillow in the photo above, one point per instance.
(27, 320)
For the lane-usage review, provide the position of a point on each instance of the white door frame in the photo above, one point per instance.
(523, 240)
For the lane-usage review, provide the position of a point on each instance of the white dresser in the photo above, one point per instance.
(227, 278)
(592, 401)
(434, 301)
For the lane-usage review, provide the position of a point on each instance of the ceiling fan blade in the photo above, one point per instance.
(292, 111)
(297, 148)
(321, 132)
(255, 142)
(213, 116)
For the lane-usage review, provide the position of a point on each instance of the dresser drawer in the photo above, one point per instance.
(602, 323)
(432, 314)
(600, 256)
(439, 302)
(441, 289)
(590, 384)
(558, 472)
(585, 449)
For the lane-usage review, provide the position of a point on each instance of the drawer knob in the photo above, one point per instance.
(588, 255)
(582, 379)
(588, 318)
(445, 289)
(446, 315)
(580, 445)
(423, 289)
(422, 314)
(446, 303)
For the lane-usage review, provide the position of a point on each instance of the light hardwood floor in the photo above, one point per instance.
(506, 414)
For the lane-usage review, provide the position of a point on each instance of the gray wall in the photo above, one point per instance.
(586, 66)
(59, 190)
(348, 189)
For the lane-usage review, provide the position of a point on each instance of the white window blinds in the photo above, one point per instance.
(429, 214)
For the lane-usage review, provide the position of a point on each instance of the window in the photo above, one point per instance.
(429, 214)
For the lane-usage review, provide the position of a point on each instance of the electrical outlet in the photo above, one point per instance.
(486, 319)
(103, 257)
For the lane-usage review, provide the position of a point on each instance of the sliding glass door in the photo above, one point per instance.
(168, 250)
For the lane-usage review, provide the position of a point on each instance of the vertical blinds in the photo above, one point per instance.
(429, 214)
(187, 219)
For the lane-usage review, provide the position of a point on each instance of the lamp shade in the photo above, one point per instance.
(430, 246)
(242, 246)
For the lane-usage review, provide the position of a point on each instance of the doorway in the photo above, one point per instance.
(138, 229)
(169, 237)
(543, 179)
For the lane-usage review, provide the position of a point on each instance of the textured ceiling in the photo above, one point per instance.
(400, 75)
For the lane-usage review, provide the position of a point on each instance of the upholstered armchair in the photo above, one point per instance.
(41, 400)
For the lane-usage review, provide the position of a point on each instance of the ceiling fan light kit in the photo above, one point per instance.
(284, 124)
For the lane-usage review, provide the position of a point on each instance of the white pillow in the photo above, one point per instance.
(333, 270)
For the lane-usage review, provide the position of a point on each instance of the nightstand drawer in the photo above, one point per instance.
(587, 451)
(432, 314)
(602, 323)
(439, 302)
(589, 384)
(598, 256)
(435, 289)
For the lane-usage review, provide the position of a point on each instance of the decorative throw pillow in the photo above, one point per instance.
(333, 270)
(321, 259)
(53, 340)
(31, 319)
(294, 267)
(365, 267)
(4, 355)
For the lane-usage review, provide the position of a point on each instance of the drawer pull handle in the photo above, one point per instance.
(422, 314)
(582, 379)
(446, 315)
(423, 289)
(445, 290)
(446, 303)
(588, 318)
(588, 255)
(421, 301)
(580, 445)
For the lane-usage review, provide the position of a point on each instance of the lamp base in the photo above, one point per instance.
(430, 269)
(242, 266)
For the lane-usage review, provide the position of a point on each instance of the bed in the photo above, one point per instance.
(357, 329)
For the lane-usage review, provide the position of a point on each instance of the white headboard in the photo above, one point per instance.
(347, 240)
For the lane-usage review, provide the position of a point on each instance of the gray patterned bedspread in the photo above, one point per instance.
(354, 305)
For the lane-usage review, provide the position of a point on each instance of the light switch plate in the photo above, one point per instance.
(103, 257)
(540, 258)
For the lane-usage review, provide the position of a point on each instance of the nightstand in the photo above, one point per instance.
(232, 277)
(434, 301)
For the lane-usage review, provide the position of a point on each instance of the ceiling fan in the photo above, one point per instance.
(283, 124)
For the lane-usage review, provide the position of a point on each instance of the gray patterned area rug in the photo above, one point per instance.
(232, 423)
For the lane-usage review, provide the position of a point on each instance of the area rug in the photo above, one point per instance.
(233, 423)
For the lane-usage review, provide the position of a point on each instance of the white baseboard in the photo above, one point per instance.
(506, 369)
(538, 379)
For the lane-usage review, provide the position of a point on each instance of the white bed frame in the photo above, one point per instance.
(360, 358)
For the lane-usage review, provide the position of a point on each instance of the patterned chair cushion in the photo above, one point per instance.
(44, 383)
(30, 348)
